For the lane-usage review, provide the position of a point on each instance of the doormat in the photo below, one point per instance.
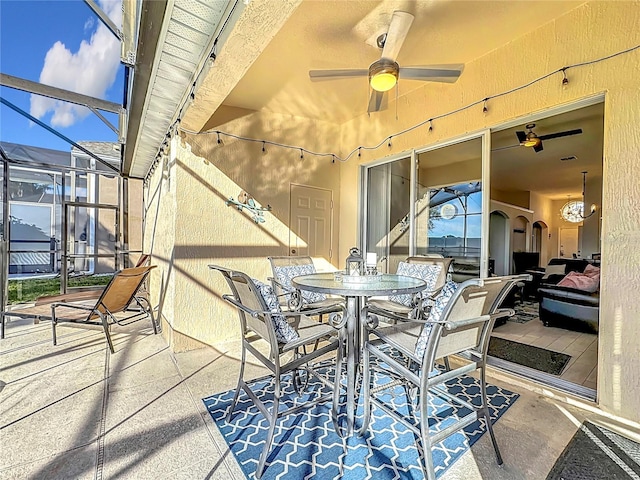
(596, 453)
(306, 445)
(525, 312)
(533, 357)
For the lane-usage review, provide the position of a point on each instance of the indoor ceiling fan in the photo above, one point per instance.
(384, 73)
(530, 139)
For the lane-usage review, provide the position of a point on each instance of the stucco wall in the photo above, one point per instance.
(594, 30)
(207, 231)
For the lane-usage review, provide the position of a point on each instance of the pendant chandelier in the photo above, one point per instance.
(573, 210)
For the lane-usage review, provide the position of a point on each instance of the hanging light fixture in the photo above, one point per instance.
(573, 210)
(383, 75)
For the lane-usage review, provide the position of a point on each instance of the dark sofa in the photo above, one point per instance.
(566, 307)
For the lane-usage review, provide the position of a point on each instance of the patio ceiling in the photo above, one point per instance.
(263, 63)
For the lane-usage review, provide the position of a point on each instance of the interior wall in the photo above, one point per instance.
(204, 176)
(518, 198)
(593, 30)
(543, 212)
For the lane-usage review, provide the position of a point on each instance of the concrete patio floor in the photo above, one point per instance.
(76, 411)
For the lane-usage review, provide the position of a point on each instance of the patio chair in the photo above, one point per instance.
(85, 309)
(432, 270)
(460, 322)
(285, 268)
(262, 320)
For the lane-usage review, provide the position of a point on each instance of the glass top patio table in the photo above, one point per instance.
(355, 291)
(386, 284)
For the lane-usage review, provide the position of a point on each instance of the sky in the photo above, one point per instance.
(64, 44)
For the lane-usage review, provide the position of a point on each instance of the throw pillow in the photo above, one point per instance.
(592, 271)
(285, 273)
(428, 273)
(554, 270)
(580, 281)
(434, 316)
(284, 332)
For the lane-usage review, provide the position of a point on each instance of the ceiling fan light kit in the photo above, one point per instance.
(383, 75)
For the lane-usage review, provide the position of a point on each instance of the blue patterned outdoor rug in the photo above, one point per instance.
(306, 446)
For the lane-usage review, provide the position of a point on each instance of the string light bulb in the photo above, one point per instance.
(360, 151)
(301, 154)
(263, 149)
(219, 140)
(389, 144)
(430, 125)
(565, 80)
(484, 107)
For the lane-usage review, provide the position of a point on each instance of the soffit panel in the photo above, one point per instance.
(184, 41)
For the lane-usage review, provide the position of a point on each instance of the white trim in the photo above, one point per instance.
(516, 207)
(486, 202)
(550, 112)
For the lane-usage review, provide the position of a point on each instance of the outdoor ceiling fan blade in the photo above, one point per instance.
(522, 136)
(561, 134)
(396, 35)
(320, 75)
(505, 148)
(433, 73)
(538, 148)
(377, 101)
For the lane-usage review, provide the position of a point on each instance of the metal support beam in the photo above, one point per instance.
(58, 134)
(104, 18)
(58, 93)
(4, 235)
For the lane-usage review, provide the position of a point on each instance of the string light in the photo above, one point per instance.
(358, 149)
(301, 154)
(219, 141)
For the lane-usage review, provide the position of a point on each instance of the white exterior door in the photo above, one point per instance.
(310, 221)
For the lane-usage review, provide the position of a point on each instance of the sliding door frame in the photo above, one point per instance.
(485, 135)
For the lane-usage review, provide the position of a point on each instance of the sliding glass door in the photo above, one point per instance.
(433, 205)
(388, 202)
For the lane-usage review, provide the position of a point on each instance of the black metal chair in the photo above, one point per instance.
(460, 322)
(261, 320)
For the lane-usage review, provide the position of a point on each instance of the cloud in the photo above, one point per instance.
(88, 25)
(90, 71)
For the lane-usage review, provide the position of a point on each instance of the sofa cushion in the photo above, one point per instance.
(554, 270)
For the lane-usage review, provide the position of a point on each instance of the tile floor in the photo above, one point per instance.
(75, 411)
(583, 347)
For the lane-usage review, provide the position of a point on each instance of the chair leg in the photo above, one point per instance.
(53, 326)
(240, 383)
(272, 428)
(427, 455)
(487, 418)
(2, 327)
(105, 326)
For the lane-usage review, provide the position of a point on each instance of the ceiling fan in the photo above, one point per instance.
(384, 73)
(530, 139)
